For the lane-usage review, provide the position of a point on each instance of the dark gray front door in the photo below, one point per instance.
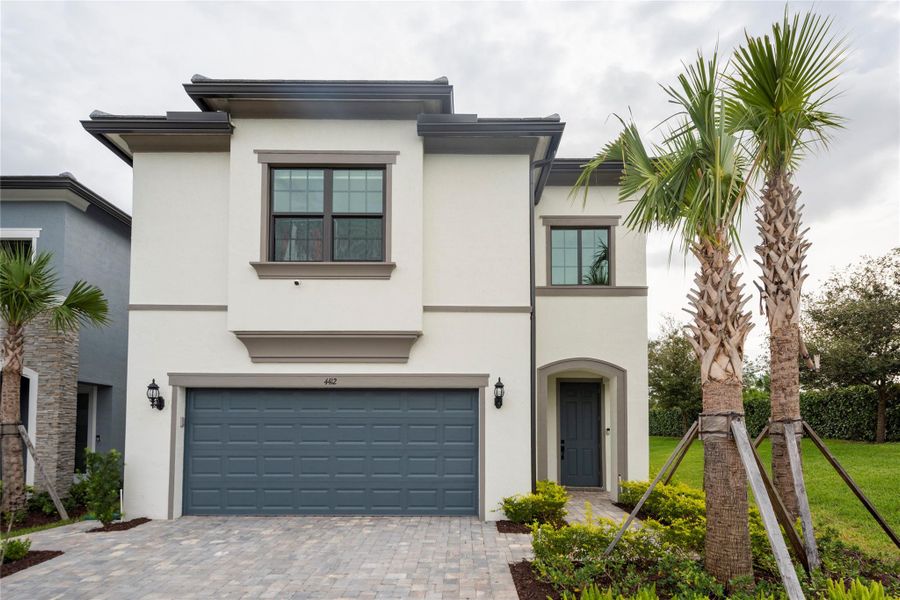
(331, 451)
(579, 440)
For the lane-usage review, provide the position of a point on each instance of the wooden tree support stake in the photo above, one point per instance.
(50, 489)
(850, 483)
(682, 454)
(779, 549)
(762, 434)
(809, 538)
(682, 447)
(782, 514)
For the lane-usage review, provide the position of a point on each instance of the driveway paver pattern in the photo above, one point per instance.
(276, 557)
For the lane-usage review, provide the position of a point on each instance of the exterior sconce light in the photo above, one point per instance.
(156, 401)
(498, 393)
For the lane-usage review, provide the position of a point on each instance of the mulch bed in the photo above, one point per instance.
(510, 527)
(121, 526)
(37, 518)
(34, 557)
(527, 586)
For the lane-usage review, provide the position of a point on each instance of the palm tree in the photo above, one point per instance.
(695, 186)
(28, 290)
(780, 88)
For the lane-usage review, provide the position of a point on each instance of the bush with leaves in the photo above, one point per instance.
(77, 497)
(15, 549)
(678, 514)
(102, 484)
(546, 505)
(571, 558)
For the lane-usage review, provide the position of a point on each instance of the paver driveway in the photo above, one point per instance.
(276, 557)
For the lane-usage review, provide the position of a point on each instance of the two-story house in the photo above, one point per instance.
(356, 300)
(73, 385)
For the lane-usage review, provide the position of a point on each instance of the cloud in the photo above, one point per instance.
(585, 61)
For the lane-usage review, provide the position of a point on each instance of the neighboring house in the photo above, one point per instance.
(330, 277)
(73, 388)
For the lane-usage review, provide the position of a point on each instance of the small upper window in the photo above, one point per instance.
(324, 214)
(579, 256)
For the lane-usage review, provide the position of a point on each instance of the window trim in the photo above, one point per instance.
(266, 268)
(580, 222)
(22, 234)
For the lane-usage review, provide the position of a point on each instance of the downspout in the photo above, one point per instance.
(531, 204)
(533, 326)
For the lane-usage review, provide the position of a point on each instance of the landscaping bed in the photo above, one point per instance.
(528, 586)
(120, 526)
(512, 527)
(664, 558)
(34, 557)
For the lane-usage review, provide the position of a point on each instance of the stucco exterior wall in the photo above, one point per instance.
(611, 329)
(476, 230)
(631, 247)
(393, 304)
(444, 248)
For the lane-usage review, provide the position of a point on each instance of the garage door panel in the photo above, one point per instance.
(331, 451)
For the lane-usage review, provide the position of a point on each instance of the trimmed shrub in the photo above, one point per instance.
(546, 505)
(15, 549)
(592, 592)
(841, 413)
(102, 484)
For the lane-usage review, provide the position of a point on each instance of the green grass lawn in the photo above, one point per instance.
(874, 467)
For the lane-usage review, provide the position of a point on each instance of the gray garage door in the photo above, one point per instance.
(331, 451)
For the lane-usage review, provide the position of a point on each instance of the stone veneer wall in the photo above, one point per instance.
(54, 357)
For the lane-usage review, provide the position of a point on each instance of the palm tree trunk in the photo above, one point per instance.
(782, 251)
(11, 445)
(784, 346)
(725, 484)
(717, 333)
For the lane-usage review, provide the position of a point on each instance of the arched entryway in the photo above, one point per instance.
(613, 381)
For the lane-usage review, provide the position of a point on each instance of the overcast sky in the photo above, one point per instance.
(584, 61)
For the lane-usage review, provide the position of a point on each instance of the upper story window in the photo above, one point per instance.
(327, 214)
(579, 256)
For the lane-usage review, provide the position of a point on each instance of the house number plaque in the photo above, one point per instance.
(331, 381)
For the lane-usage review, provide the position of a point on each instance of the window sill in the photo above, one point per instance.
(323, 270)
(591, 290)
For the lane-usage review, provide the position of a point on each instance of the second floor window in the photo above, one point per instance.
(327, 214)
(579, 256)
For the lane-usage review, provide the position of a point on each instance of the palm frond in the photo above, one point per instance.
(84, 304)
(783, 83)
(27, 285)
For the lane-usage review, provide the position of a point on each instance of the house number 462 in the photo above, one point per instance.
(331, 381)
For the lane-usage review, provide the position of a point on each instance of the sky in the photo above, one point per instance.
(584, 61)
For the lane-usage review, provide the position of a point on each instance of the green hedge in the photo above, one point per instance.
(843, 414)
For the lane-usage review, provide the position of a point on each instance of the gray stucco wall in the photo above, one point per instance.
(94, 247)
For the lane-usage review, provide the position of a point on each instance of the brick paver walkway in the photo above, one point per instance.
(601, 505)
(276, 557)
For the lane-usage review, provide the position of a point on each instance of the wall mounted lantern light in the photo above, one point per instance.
(156, 401)
(498, 393)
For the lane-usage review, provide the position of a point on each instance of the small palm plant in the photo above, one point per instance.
(695, 185)
(780, 91)
(28, 290)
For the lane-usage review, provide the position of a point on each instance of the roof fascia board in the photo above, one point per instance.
(360, 91)
(61, 182)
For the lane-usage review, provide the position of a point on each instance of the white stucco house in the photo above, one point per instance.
(328, 280)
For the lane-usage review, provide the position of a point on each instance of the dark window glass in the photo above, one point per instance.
(327, 214)
(298, 239)
(579, 256)
(358, 238)
(13, 245)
